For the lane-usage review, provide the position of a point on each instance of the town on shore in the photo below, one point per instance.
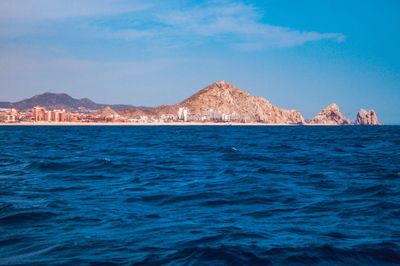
(218, 103)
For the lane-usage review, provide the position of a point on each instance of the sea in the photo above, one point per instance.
(199, 195)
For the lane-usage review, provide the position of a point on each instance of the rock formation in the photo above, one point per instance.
(365, 117)
(223, 101)
(218, 102)
(331, 115)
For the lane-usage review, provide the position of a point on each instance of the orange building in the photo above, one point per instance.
(58, 115)
(38, 113)
(41, 114)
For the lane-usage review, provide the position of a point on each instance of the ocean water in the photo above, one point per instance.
(200, 195)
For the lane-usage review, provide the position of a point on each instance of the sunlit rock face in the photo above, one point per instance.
(365, 117)
(224, 102)
(224, 99)
(330, 115)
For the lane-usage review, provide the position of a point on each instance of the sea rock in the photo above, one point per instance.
(330, 115)
(365, 117)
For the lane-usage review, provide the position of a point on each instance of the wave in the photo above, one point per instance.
(377, 254)
(26, 217)
(200, 195)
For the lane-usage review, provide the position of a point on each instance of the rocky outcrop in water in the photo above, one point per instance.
(365, 117)
(330, 115)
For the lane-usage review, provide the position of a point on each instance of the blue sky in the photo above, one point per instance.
(297, 54)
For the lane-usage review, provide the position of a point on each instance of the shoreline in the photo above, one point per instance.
(156, 124)
(138, 124)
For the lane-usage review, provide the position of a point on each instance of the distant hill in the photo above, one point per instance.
(59, 101)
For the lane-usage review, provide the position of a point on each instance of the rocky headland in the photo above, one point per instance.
(222, 100)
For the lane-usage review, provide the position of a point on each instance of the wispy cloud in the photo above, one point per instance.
(232, 23)
(222, 18)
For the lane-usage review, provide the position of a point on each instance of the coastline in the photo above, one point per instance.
(138, 124)
(157, 124)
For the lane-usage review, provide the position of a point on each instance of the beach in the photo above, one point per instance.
(138, 124)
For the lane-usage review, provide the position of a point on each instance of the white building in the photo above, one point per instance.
(183, 114)
(8, 115)
(7, 118)
(226, 118)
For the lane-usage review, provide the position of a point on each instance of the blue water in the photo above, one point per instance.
(200, 195)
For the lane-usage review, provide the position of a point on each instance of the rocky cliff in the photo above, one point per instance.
(330, 115)
(365, 117)
(222, 100)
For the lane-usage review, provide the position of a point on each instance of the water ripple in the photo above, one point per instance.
(200, 195)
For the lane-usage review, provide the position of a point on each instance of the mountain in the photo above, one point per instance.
(330, 115)
(224, 98)
(222, 101)
(58, 101)
(5, 105)
(365, 117)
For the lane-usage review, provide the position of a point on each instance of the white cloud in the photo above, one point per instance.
(240, 21)
(132, 34)
(233, 23)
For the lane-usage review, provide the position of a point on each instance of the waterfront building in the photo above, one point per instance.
(58, 115)
(7, 118)
(8, 115)
(226, 118)
(41, 114)
(38, 113)
(183, 114)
